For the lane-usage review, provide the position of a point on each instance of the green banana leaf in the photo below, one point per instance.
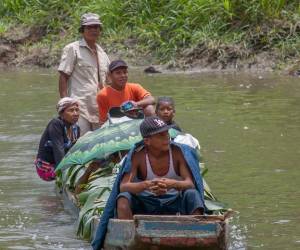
(90, 209)
(101, 143)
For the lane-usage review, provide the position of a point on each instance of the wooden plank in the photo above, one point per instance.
(193, 218)
(177, 229)
(120, 234)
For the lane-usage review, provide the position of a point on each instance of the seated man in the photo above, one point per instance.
(159, 181)
(169, 183)
(120, 91)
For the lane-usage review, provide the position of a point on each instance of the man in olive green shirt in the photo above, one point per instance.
(83, 71)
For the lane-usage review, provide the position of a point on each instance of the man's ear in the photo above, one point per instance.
(108, 81)
(146, 141)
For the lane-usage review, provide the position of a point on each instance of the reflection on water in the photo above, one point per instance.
(248, 127)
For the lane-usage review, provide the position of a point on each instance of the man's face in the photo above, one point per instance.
(71, 114)
(159, 141)
(165, 112)
(119, 78)
(91, 32)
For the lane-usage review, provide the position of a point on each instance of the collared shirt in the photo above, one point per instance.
(80, 63)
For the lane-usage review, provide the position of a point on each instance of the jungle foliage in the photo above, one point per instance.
(169, 29)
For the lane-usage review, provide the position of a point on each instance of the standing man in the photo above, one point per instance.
(83, 69)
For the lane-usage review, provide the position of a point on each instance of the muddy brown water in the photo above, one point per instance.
(248, 126)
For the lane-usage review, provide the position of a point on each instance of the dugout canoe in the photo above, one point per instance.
(163, 232)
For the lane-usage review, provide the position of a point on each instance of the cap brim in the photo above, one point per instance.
(165, 128)
(119, 66)
(92, 23)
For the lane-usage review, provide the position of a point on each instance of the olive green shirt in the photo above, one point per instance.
(80, 63)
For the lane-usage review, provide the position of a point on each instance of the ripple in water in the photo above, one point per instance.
(237, 234)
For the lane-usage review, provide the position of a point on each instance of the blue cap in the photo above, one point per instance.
(117, 64)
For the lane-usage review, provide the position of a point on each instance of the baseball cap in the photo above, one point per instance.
(117, 64)
(90, 19)
(153, 125)
(128, 106)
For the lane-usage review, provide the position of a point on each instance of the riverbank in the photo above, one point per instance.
(23, 48)
(191, 36)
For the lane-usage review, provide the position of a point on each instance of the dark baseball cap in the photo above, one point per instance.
(117, 64)
(153, 125)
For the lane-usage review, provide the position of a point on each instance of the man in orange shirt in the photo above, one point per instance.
(120, 91)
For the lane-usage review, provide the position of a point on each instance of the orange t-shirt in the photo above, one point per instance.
(109, 97)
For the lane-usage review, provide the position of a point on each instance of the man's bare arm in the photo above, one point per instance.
(127, 184)
(63, 84)
(148, 100)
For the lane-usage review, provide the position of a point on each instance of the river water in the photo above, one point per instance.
(248, 126)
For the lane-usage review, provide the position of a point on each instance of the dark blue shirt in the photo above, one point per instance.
(54, 142)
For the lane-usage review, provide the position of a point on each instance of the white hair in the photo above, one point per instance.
(65, 102)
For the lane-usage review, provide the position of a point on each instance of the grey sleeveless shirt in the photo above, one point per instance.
(171, 174)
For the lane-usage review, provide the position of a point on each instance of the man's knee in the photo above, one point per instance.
(123, 204)
(124, 207)
(190, 194)
(192, 202)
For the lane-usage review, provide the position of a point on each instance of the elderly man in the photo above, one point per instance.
(83, 69)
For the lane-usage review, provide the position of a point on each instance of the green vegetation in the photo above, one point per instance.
(221, 30)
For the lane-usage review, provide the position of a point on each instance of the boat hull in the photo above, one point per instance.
(167, 232)
(163, 232)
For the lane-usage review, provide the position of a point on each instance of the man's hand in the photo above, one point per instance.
(100, 86)
(135, 105)
(160, 186)
(170, 183)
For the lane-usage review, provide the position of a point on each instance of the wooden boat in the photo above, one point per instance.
(152, 232)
